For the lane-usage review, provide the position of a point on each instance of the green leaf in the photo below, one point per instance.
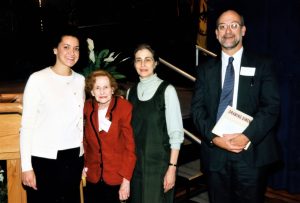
(104, 65)
(111, 68)
(119, 76)
(103, 53)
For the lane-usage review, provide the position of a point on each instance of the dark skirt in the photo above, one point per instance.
(101, 193)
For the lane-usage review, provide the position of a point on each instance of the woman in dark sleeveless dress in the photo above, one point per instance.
(158, 131)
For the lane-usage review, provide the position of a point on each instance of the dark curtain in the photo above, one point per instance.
(286, 31)
(273, 28)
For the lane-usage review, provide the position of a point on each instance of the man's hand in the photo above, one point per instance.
(241, 140)
(231, 142)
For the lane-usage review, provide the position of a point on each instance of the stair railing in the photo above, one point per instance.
(190, 77)
(199, 48)
(185, 74)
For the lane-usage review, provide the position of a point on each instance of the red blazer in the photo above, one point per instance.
(115, 157)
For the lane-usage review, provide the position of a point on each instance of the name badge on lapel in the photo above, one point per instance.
(247, 71)
(105, 124)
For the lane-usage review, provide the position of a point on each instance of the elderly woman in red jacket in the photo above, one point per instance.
(108, 141)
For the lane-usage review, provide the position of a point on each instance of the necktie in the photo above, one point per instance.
(227, 91)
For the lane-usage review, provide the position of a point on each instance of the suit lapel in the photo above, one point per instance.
(244, 82)
(215, 87)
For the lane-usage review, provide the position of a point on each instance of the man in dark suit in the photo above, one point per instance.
(236, 174)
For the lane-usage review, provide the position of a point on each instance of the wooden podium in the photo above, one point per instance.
(10, 118)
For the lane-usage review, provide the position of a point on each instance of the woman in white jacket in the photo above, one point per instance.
(52, 127)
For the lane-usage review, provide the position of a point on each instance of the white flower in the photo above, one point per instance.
(90, 44)
(91, 49)
(92, 56)
(110, 58)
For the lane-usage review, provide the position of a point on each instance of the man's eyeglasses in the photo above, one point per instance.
(232, 26)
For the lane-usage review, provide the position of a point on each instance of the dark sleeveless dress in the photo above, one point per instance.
(152, 148)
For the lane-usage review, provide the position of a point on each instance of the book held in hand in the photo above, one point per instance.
(232, 121)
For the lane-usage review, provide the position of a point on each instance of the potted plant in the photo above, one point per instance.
(103, 59)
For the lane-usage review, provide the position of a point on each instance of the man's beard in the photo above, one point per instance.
(231, 46)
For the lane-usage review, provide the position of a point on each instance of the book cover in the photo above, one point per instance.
(232, 121)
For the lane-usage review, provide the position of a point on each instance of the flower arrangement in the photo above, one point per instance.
(3, 186)
(103, 59)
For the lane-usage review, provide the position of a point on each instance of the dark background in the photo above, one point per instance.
(115, 24)
(273, 28)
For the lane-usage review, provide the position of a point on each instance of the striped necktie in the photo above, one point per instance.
(227, 91)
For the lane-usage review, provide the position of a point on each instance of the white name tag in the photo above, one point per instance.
(105, 124)
(247, 71)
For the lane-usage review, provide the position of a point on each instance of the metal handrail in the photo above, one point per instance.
(191, 135)
(205, 51)
(183, 73)
(190, 77)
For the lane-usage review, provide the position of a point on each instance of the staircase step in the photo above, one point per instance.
(190, 170)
